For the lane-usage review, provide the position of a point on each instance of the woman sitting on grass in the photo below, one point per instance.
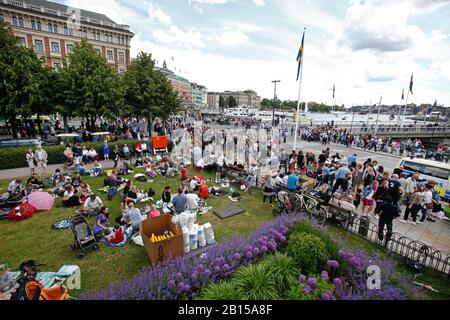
(71, 197)
(101, 224)
(84, 190)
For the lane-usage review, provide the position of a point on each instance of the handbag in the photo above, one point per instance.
(429, 205)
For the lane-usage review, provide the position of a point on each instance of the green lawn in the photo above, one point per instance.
(34, 238)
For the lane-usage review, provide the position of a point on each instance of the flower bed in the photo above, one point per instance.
(247, 268)
(183, 277)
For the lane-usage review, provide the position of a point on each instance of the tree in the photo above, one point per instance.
(168, 100)
(232, 102)
(221, 102)
(24, 80)
(266, 104)
(89, 86)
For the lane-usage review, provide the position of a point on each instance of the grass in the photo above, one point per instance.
(34, 238)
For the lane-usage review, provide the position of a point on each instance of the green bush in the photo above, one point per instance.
(296, 292)
(308, 251)
(254, 282)
(225, 290)
(11, 158)
(283, 269)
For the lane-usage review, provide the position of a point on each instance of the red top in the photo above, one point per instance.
(184, 174)
(118, 238)
(204, 192)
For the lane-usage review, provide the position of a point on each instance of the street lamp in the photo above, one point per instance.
(274, 99)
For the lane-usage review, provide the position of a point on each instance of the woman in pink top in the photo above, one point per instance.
(154, 213)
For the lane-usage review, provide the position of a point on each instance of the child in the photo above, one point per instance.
(97, 168)
(154, 213)
(28, 189)
(184, 175)
(118, 235)
(105, 151)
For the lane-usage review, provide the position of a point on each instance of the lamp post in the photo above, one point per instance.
(274, 99)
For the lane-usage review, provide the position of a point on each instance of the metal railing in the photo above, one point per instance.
(423, 254)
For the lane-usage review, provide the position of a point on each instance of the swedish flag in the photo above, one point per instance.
(300, 55)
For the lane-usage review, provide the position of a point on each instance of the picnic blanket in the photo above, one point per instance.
(50, 279)
(126, 235)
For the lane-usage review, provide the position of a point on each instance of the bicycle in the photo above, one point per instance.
(312, 206)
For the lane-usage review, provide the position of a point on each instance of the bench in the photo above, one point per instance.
(341, 215)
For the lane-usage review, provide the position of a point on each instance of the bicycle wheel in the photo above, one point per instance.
(310, 205)
(321, 215)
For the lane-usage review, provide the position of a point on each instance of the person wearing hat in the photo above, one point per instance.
(6, 283)
(93, 203)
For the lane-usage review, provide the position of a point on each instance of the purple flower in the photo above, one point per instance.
(342, 253)
(248, 254)
(171, 284)
(326, 296)
(178, 276)
(236, 256)
(307, 290)
(226, 267)
(282, 238)
(248, 248)
(355, 262)
(312, 282)
(207, 273)
(217, 261)
(255, 250)
(337, 282)
(302, 278)
(181, 287)
(263, 249)
(333, 264)
(216, 269)
(194, 275)
(324, 275)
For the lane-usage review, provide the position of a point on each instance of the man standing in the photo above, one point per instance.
(41, 159)
(352, 160)
(342, 178)
(284, 158)
(220, 167)
(388, 212)
(394, 189)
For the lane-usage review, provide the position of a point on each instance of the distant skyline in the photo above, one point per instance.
(367, 48)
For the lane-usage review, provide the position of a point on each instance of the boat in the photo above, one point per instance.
(344, 118)
(392, 117)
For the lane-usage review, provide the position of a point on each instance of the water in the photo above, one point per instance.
(358, 119)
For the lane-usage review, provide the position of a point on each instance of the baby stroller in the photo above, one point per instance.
(84, 238)
(284, 204)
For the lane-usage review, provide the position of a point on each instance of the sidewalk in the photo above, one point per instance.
(10, 174)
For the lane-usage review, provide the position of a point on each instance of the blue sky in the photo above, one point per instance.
(368, 48)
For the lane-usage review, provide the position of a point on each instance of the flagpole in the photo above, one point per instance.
(406, 104)
(400, 107)
(299, 94)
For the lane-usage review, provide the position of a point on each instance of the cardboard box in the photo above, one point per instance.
(162, 250)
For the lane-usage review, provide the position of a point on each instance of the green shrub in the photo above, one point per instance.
(11, 158)
(224, 290)
(332, 246)
(296, 292)
(308, 251)
(283, 269)
(254, 282)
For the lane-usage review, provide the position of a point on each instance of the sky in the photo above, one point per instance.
(368, 49)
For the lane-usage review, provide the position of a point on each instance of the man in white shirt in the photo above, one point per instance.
(192, 201)
(41, 158)
(93, 203)
(220, 167)
(15, 186)
(92, 154)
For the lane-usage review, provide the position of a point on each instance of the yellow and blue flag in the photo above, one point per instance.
(300, 55)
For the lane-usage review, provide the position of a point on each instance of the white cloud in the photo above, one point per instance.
(156, 13)
(232, 38)
(210, 1)
(178, 37)
(259, 3)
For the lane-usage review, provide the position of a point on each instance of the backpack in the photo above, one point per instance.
(141, 179)
(151, 192)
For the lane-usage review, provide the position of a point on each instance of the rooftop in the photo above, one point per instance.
(64, 11)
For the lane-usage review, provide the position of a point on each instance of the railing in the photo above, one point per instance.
(403, 130)
(419, 252)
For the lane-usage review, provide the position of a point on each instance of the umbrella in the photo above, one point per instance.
(27, 211)
(42, 201)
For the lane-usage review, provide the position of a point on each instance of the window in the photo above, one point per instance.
(55, 47)
(56, 66)
(2, 18)
(15, 21)
(23, 42)
(33, 24)
(55, 28)
(98, 36)
(50, 27)
(69, 48)
(110, 55)
(38, 46)
(436, 172)
(21, 23)
(121, 57)
(38, 25)
(110, 38)
(68, 32)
